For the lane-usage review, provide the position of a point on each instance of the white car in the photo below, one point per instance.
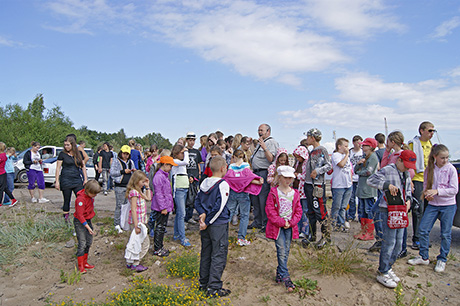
(49, 170)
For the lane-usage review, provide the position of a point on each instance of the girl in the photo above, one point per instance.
(366, 194)
(69, 180)
(3, 178)
(281, 159)
(341, 183)
(283, 212)
(33, 164)
(84, 212)
(301, 155)
(152, 158)
(211, 141)
(226, 152)
(162, 204)
(242, 182)
(121, 170)
(395, 145)
(137, 191)
(440, 188)
(180, 190)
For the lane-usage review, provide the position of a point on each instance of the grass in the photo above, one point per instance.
(306, 287)
(70, 278)
(185, 265)
(414, 300)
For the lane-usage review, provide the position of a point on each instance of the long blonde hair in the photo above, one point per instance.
(137, 176)
(435, 150)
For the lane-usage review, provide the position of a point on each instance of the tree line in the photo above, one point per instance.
(19, 126)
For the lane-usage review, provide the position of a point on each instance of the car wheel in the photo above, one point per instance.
(22, 177)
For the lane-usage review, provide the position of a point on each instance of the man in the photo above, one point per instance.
(104, 165)
(263, 156)
(193, 171)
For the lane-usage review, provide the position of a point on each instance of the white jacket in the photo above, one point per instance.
(134, 246)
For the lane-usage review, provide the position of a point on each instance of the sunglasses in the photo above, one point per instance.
(432, 130)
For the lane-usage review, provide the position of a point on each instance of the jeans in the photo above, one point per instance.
(283, 245)
(9, 185)
(85, 239)
(180, 197)
(105, 179)
(304, 225)
(340, 199)
(378, 219)
(365, 205)
(352, 210)
(445, 214)
(120, 199)
(240, 199)
(391, 244)
(258, 201)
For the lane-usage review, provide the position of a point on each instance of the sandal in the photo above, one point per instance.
(138, 268)
(289, 284)
(278, 278)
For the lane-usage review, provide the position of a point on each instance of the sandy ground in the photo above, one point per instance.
(34, 277)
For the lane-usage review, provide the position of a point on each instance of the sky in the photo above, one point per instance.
(176, 66)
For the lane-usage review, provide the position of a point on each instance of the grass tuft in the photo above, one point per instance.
(185, 265)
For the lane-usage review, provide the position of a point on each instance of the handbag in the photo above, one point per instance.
(397, 214)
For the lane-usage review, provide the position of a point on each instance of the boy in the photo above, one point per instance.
(214, 217)
(392, 178)
(356, 154)
(84, 212)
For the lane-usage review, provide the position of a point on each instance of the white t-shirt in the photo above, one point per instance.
(354, 158)
(341, 177)
(35, 157)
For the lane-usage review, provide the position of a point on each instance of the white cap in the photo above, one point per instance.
(286, 171)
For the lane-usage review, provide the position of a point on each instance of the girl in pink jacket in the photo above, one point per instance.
(283, 212)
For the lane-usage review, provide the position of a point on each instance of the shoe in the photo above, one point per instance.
(440, 266)
(161, 252)
(105, 193)
(386, 280)
(213, 293)
(243, 242)
(305, 243)
(138, 268)
(43, 200)
(85, 262)
(1, 204)
(81, 264)
(191, 221)
(252, 225)
(302, 235)
(278, 278)
(347, 225)
(402, 254)
(203, 288)
(289, 284)
(415, 245)
(34, 200)
(376, 246)
(322, 243)
(235, 220)
(418, 261)
(368, 230)
(118, 229)
(14, 202)
(262, 230)
(7, 203)
(186, 243)
(394, 276)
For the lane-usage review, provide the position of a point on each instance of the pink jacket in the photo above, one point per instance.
(275, 222)
(240, 180)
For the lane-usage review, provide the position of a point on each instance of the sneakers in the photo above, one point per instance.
(43, 200)
(161, 252)
(138, 268)
(191, 221)
(186, 243)
(440, 266)
(13, 202)
(386, 280)
(278, 278)
(347, 225)
(394, 276)
(213, 293)
(243, 242)
(105, 193)
(418, 261)
(34, 200)
(289, 284)
(402, 254)
(415, 245)
(376, 246)
(118, 229)
(302, 235)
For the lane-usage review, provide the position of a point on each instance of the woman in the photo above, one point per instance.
(69, 170)
(33, 164)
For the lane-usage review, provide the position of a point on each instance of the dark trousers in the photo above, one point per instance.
(258, 201)
(67, 194)
(85, 239)
(417, 214)
(161, 221)
(214, 249)
(4, 187)
(317, 211)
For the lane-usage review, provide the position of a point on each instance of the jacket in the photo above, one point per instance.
(162, 199)
(302, 152)
(364, 171)
(418, 150)
(212, 201)
(275, 222)
(445, 180)
(239, 179)
(117, 171)
(320, 161)
(84, 207)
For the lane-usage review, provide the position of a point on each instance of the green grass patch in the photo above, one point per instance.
(306, 287)
(185, 265)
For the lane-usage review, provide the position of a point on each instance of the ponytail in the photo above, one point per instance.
(435, 150)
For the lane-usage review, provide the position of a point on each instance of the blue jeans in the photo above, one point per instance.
(180, 197)
(340, 199)
(283, 245)
(352, 210)
(303, 225)
(446, 217)
(365, 205)
(377, 219)
(240, 199)
(391, 244)
(9, 185)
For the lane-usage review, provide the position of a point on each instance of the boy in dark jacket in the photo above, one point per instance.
(214, 217)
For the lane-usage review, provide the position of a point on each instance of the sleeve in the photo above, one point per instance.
(272, 212)
(385, 159)
(162, 195)
(377, 180)
(80, 209)
(452, 186)
(218, 207)
(27, 160)
(183, 162)
(115, 168)
(273, 146)
(370, 167)
(198, 205)
(133, 193)
(271, 174)
(297, 210)
(61, 156)
(327, 163)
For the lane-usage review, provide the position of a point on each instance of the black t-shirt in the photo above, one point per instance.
(195, 159)
(70, 174)
(106, 156)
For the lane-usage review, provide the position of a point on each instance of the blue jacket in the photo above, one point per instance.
(212, 201)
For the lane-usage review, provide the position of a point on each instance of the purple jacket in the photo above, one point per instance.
(162, 199)
(445, 180)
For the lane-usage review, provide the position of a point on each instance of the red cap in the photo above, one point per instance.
(369, 142)
(409, 158)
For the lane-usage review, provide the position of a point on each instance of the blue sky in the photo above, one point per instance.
(178, 66)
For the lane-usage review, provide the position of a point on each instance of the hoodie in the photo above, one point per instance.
(212, 201)
(302, 152)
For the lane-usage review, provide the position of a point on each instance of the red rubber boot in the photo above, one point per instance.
(85, 262)
(81, 264)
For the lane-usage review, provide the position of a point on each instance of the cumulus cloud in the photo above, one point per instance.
(446, 28)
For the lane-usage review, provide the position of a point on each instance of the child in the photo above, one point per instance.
(162, 204)
(3, 178)
(139, 242)
(84, 212)
(213, 152)
(440, 188)
(301, 155)
(356, 153)
(210, 203)
(341, 184)
(392, 178)
(242, 182)
(366, 194)
(283, 212)
(281, 159)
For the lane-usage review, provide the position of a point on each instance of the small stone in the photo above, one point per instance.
(70, 244)
(158, 262)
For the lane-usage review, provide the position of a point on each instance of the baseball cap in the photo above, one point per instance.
(190, 135)
(125, 149)
(167, 160)
(369, 142)
(314, 132)
(286, 171)
(409, 158)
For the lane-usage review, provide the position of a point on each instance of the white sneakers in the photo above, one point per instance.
(418, 261)
(347, 225)
(34, 200)
(43, 200)
(118, 229)
(387, 280)
(440, 266)
(393, 276)
(243, 242)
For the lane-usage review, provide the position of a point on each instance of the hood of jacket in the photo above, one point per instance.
(302, 152)
(208, 183)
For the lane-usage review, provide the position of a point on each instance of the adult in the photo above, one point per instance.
(261, 159)
(105, 160)
(69, 168)
(194, 175)
(135, 154)
(33, 164)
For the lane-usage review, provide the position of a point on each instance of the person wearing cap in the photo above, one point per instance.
(421, 145)
(283, 212)
(319, 163)
(194, 173)
(261, 159)
(392, 178)
(120, 170)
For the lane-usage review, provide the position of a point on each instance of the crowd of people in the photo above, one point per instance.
(376, 182)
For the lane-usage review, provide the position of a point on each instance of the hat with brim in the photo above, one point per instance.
(125, 149)
(409, 158)
(167, 160)
(286, 171)
(190, 135)
(369, 142)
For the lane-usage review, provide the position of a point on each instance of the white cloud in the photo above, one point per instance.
(446, 28)
(9, 43)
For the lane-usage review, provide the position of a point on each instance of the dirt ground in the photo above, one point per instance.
(34, 277)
